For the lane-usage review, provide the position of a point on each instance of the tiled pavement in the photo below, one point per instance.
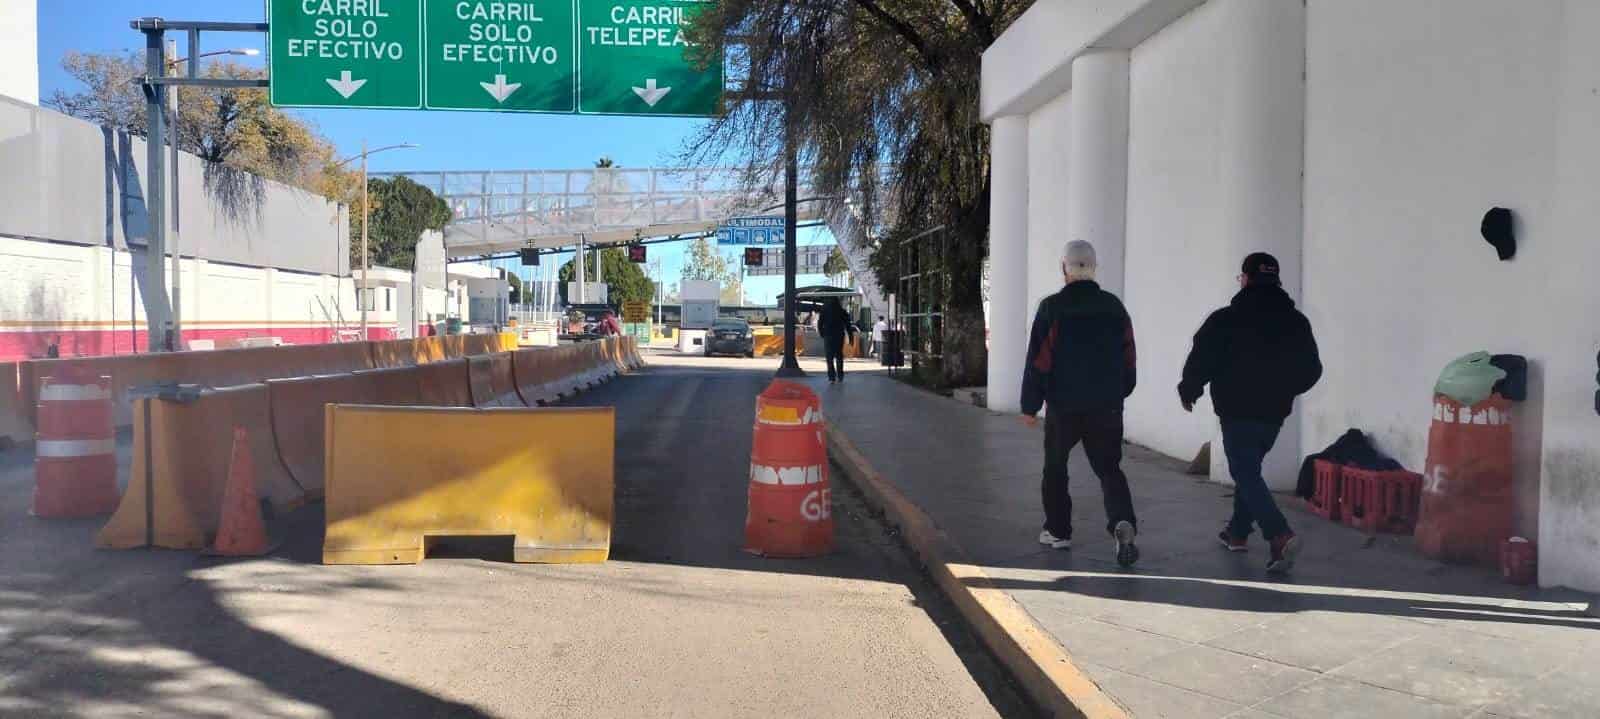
(1364, 627)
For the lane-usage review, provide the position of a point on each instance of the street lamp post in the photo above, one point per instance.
(363, 292)
(173, 61)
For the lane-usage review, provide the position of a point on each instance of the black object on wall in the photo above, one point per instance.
(1515, 384)
(1498, 231)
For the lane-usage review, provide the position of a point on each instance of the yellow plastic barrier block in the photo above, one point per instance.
(397, 475)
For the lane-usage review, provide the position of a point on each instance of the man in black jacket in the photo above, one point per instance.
(1081, 363)
(1258, 354)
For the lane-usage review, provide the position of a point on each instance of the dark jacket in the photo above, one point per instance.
(834, 323)
(1258, 354)
(1081, 355)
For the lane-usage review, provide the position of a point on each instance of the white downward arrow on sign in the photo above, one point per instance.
(650, 93)
(500, 89)
(344, 85)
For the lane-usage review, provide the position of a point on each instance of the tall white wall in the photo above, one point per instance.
(1177, 267)
(1416, 126)
(1097, 168)
(1049, 152)
(1008, 255)
(19, 54)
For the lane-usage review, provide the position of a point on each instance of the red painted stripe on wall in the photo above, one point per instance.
(16, 346)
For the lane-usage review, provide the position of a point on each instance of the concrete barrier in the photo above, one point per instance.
(443, 384)
(297, 416)
(219, 368)
(397, 475)
(536, 374)
(395, 385)
(16, 418)
(180, 467)
(492, 382)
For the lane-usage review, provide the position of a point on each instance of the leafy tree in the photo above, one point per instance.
(236, 131)
(870, 90)
(626, 280)
(401, 211)
(702, 261)
(836, 266)
(516, 287)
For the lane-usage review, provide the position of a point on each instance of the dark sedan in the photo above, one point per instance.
(730, 336)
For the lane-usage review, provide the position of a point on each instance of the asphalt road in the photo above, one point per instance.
(680, 623)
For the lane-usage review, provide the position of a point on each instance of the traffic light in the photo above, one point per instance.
(637, 254)
(754, 256)
(530, 256)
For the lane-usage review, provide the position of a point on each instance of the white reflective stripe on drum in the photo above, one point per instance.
(793, 476)
(72, 392)
(67, 448)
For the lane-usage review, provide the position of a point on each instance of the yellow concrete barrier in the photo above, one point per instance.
(397, 475)
(174, 496)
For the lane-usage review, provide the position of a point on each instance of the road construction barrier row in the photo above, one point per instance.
(184, 445)
(397, 475)
(224, 368)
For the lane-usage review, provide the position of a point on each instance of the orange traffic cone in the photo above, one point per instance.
(241, 532)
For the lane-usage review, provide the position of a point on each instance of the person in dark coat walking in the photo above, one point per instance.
(1258, 354)
(1082, 364)
(834, 325)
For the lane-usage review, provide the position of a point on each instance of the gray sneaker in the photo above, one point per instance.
(1127, 551)
(1054, 542)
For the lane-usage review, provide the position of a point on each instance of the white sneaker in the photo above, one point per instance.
(1054, 542)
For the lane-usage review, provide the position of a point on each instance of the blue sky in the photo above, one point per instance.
(448, 140)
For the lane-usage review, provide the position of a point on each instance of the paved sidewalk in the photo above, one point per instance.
(1364, 627)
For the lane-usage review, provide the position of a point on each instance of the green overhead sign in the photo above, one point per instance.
(616, 57)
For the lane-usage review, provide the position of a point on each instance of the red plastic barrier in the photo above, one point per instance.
(790, 511)
(75, 469)
(1467, 495)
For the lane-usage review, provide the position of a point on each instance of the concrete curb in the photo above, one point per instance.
(1041, 666)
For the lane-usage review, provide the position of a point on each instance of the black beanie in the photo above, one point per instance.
(1261, 267)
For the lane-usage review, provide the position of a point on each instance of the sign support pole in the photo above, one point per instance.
(157, 310)
(791, 366)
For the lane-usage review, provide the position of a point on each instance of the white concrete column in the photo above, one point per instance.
(1262, 153)
(1097, 166)
(1009, 315)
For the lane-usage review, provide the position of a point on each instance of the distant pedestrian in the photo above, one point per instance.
(1258, 354)
(834, 325)
(1081, 365)
(878, 328)
(53, 351)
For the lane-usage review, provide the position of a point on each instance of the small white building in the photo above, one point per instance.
(1360, 141)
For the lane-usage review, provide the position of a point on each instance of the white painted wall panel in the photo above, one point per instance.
(1049, 146)
(1176, 271)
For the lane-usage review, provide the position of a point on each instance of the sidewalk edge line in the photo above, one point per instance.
(1035, 659)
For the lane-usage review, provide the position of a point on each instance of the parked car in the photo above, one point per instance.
(730, 336)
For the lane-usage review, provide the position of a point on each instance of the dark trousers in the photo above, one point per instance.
(1101, 435)
(833, 347)
(1246, 443)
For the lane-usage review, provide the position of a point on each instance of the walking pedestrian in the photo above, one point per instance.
(878, 328)
(834, 325)
(1081, 366)
(1258, 354)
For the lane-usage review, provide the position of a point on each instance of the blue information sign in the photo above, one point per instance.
(751, 231)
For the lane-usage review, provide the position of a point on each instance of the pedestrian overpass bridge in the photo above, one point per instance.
(503, 211)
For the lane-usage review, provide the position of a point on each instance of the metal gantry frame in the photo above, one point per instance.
(162, 332)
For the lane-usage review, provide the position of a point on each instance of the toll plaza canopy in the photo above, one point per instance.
(810, 298)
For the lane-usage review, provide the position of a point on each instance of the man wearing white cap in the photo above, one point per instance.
(1081, 364)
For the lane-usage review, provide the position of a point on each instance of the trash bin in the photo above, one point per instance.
(891, 354)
